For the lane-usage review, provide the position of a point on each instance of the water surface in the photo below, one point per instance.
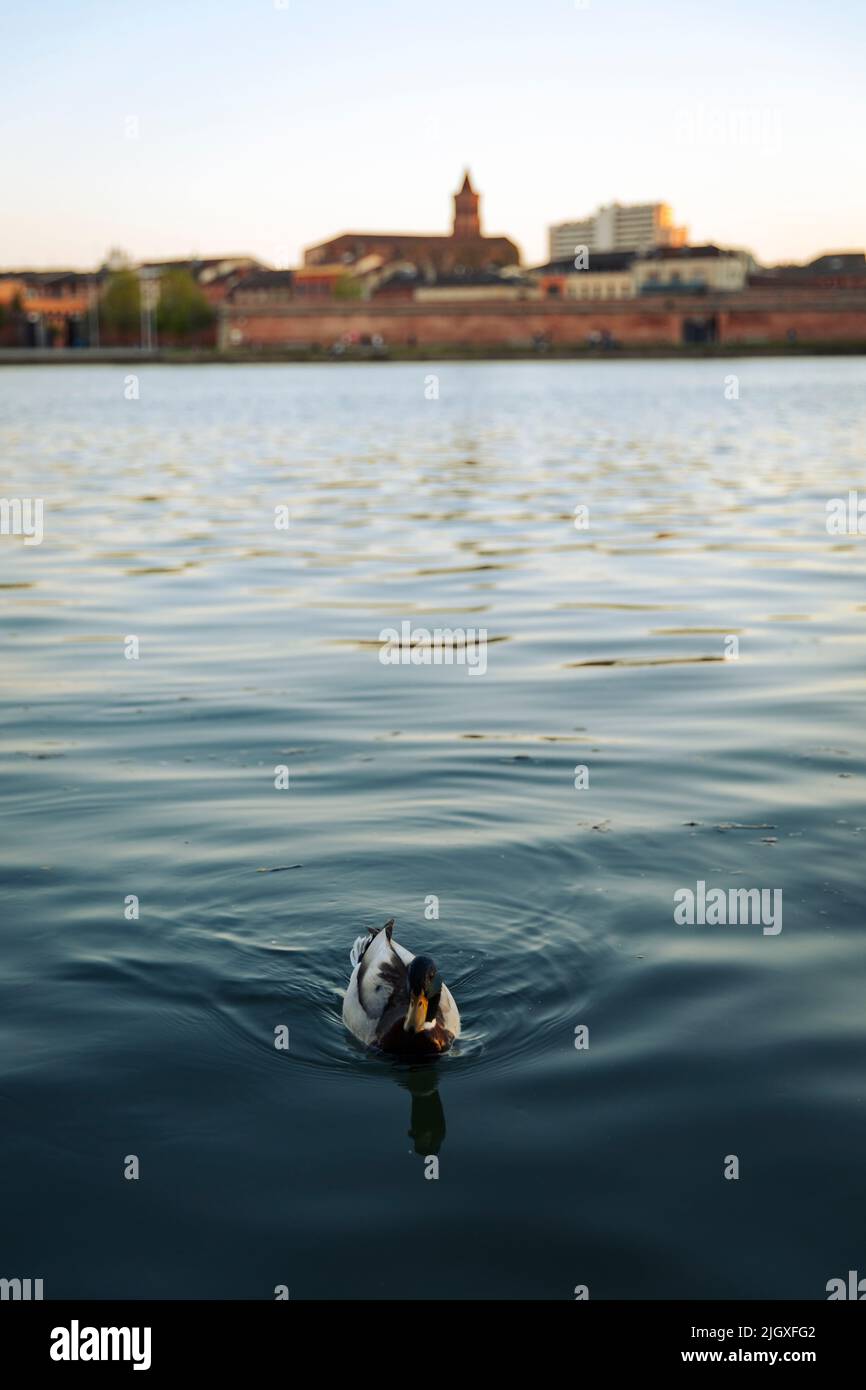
(259, 648)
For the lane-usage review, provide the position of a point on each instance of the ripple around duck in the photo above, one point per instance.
(518, 988)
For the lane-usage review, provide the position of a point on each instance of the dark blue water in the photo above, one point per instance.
(259, 648)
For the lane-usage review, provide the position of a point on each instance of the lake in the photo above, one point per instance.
(212, 782)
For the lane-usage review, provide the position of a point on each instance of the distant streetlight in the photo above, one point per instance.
(93, 313)
(38, 324)
(149, 298)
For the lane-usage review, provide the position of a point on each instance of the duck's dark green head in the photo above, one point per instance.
(425, 988)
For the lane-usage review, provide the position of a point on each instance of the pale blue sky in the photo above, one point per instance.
(262, 129)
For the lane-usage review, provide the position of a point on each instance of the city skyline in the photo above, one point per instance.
(262, 128)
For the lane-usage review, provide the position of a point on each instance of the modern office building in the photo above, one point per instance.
(617, 227)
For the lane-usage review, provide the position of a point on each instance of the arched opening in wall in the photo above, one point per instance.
(702, 328)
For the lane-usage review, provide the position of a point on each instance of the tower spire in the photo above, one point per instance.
(467, 217)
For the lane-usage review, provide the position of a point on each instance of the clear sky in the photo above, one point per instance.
(214, 126)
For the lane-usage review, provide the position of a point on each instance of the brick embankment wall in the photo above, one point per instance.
(755, 325)
(737, 319)
(478, 325)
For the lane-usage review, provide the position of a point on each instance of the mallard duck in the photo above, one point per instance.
(396, 1001)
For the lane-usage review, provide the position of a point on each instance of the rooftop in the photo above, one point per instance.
(267, 280)
(597, 261)
(685, 253)
(836, 262)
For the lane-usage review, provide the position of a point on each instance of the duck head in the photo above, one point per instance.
(425, 988)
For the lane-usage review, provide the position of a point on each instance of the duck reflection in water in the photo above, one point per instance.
(427, 1116)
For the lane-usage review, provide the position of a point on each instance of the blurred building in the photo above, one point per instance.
(691, 270)
(607, 276)
(45, 308)
(323, 281)
(617, 227)
(837, 270)
(477, 287)
(263, 287)
(466, 247)
(662, 270)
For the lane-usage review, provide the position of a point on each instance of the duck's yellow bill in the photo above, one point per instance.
(416, 1014)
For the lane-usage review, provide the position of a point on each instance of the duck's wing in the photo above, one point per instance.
(379, 983)
(382, 974)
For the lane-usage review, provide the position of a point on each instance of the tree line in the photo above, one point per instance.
(182, 312)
